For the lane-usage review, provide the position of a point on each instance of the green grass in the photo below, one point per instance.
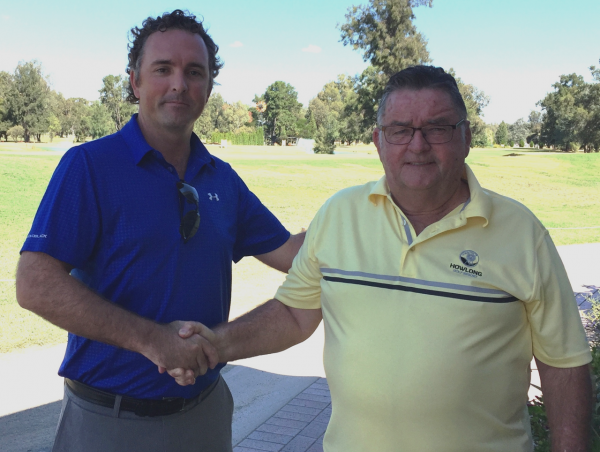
(563, 190)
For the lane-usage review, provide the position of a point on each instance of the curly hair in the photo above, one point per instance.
(179, 20)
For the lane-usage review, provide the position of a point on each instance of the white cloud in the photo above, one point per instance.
(5, 18)
(312, 49)
(236, 44)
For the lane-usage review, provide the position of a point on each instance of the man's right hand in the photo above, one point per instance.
(168, 350)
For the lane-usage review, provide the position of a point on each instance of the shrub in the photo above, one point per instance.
(521, 143)
(255, 138)
(16, 132)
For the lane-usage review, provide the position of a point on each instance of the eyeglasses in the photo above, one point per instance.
(433, 134)
(191, 220)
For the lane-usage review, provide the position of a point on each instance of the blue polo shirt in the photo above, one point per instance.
(112, 210)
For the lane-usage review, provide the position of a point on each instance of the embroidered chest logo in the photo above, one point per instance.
(212, 196)
(469, 259)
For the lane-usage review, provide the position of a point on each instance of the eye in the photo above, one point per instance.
(436, 130)
(400, 131)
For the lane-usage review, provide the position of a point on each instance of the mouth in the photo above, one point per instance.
(419, 163)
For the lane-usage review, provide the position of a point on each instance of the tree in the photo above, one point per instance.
(15, 132)
(383, 30)
(234, 118)
(79, 118)
(518, 131)
(100, 120)
(475, 102)
(535, 127)
(502, 133)
(53, 126)
(5, 122)
(27, 99)
(326, 136)
(282, 108)
(206, 124)
(112, 95)
(571, 116)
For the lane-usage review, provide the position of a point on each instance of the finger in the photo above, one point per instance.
(177, 373)
(211, 353)
(202, 365)
(161, 369)
(185, 381)
(188, 328)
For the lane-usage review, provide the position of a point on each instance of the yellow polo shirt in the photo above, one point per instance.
(428, 338)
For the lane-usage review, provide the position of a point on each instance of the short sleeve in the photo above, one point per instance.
(302, 286)
(258, 230)
(67, 223)
(557, 332)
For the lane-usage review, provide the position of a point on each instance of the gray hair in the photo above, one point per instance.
(422, 77)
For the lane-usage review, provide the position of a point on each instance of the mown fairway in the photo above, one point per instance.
(563, 190)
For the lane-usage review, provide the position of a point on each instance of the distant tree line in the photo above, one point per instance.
(571, 114)
(30, 108)
(569, 121)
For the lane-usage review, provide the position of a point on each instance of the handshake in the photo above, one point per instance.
(184, 350)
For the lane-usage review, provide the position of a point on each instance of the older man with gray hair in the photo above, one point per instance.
(435, 294)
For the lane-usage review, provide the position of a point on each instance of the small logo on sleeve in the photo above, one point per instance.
(469, 259)
(37, 236)
(212, 196)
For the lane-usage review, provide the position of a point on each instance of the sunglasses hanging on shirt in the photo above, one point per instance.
(191, 220)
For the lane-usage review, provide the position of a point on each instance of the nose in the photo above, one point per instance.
(178, 82)
(418, 142)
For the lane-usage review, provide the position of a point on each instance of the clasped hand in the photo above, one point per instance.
(197, 356)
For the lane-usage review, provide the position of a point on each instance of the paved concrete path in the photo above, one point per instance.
(282, 401)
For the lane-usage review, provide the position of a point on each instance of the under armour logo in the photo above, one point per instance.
(211, 196)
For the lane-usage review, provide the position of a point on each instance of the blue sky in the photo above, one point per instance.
(513, 50)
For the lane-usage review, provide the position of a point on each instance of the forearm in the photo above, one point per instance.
(270, 328)
(45, 287)
(281, 259)
(568, 400)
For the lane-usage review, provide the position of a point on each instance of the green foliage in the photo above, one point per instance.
(27, 99)
(206, 124)
(475, 101)
(15, 132)
(282, 110)
(518, 131)
(53, 126)
(5, 122)
(521, 143)
(255, 138)
(539, 425)
(220, 117)
(307, 128)
(572, 113)
(384, 31)
(234, 118)
(112, 95)
(100, 121)
(502, 133)
(535, 127)
(326, 136)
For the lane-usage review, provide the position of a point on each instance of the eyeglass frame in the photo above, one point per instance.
(414, 129)
(195, 214)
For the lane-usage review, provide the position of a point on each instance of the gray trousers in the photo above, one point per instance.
(205, 427)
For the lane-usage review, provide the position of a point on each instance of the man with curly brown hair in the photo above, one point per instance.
(136, 233)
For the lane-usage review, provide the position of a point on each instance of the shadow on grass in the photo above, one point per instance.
(30, 430)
